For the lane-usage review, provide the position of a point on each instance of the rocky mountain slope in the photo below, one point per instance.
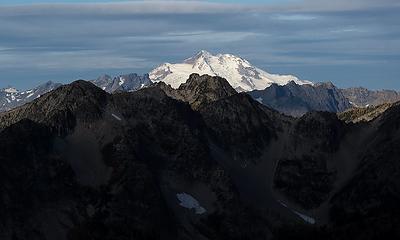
(296, 100)
(362, 97)
(197, 162)
(241, 75)
(366, 114)
(127, 82)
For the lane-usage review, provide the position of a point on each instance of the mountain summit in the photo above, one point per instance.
(239, 72)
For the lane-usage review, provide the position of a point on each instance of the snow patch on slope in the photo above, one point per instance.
(116, 117)
(189, 202)
(306, 218)
(10, 90)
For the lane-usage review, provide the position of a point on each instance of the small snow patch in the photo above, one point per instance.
(260, 100)
(187, 201)
(306, 218)
(10, 90)
(30, 95)
(121, 81)
(116, 117)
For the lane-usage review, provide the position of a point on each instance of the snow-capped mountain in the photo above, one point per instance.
(10, 97)
(126, 83)
(239, 72)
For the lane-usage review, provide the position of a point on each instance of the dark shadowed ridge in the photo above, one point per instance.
(296, 100)
(61, 107)
(79, 163)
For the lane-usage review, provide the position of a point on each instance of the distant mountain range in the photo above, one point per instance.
(125, 83)
(11, 97)
(199, 162)
(284, 93)
(362, 97)
(296, 100)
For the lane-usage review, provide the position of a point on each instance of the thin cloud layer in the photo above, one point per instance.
(349, 42)
(186, 7)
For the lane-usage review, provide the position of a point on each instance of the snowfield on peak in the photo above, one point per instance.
(11, 97)
(239, 72)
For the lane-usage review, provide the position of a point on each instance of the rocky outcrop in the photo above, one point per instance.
(366, 114)
(200, 90)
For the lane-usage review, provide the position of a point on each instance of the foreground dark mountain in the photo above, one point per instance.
(197, 162)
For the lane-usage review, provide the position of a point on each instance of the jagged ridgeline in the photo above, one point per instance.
(200, 161)
(285, 93)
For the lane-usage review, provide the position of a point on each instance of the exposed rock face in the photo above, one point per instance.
(362, 97)
(128, 82)
(80, 163)
(296, 100)
(200, 90)
(366, 114)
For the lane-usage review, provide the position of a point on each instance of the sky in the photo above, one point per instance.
(348, 42)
